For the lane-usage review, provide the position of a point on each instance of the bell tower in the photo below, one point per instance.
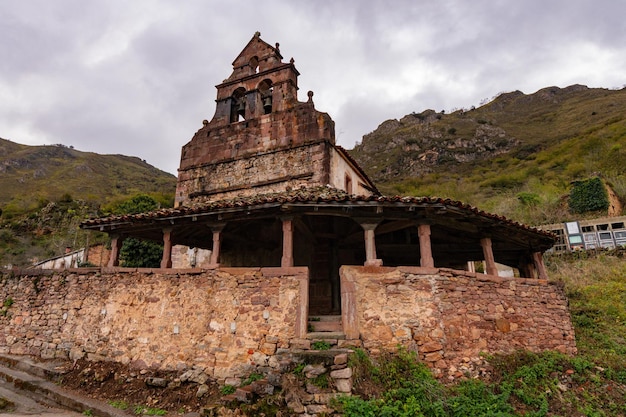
(259, 84)
(261, 139)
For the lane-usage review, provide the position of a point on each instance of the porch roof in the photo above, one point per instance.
(460, 221)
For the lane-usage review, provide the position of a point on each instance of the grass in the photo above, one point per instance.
(595, 283)
(521, 384)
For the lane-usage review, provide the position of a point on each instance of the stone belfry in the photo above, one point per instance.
(262, 139)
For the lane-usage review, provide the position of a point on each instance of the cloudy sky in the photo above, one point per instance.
(138, 77)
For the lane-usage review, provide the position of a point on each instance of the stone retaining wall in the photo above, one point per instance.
(449, 317)
(223, 320)
(230, 320)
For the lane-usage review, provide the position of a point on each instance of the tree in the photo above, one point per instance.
(138, 253)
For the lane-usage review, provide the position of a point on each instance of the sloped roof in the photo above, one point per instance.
(316, 195)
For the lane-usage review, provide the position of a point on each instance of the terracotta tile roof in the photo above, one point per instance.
(317, 195)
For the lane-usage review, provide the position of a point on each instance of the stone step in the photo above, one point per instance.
(328, 336)
(325, 318)
(326, 326)
(50, 394)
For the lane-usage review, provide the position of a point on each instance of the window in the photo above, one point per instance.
(254, 64)
(348, 184)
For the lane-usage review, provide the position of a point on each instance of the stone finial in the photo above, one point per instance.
(205, 122)
(257, 34)
(291, 61)
(310, 94)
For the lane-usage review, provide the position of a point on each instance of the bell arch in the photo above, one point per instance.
(238, 105)
(266, 92)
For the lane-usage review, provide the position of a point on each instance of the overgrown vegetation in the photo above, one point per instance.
(53, 226)
(46, 191)
(593, 383)
(520, 384)
(588, 195)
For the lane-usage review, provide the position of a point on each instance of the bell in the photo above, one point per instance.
(241, 108)
(267, 102)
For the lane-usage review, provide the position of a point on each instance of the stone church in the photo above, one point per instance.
(264, 185)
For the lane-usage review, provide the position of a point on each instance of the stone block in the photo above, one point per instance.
(343, 385)
(268, 348)
(341, 373)
(503, 325)
(311, 371)
(316, 409)
(341, 359)
(156, 382)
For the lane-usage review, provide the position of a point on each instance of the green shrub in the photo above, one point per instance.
(528, 199)
(588, 195)
(320, 345)
(227, 389)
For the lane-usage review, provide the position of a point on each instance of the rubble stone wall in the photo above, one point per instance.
(221, 320)
(452, 316)
(270, 172)
(228, 321)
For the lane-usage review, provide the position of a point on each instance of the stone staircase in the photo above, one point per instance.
(326, 328)
(26, 383)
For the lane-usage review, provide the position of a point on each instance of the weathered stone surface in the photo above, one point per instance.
(454, 314)
(115, 316)
(156, 382)
(342, 373)
(341, 359)
(343, 385)
(202, 390)
(311, 371)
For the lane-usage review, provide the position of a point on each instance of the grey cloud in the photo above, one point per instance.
(138, 77)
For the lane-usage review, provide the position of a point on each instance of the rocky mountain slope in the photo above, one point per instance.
(46, 191)
(32, 173)
(518, 143)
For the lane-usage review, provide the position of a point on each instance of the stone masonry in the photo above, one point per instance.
(231, 319)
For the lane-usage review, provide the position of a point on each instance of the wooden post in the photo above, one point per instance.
(217, 243)
(116, 245)
(287, 259)
(490, 261)
(166, 261)
(426, 253)
(539, 265)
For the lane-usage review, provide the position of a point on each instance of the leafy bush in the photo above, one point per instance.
(588, 195)
(137, 253)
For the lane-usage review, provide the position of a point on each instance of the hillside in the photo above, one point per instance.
(534, 144)
(29, 174)
(46, 191)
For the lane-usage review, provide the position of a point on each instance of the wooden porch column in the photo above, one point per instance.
(166, 261)
(426, 252)
(287, 259)
(539, 265)
(116, 245)
(217, 243)
(370, 244)
(490, 261)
